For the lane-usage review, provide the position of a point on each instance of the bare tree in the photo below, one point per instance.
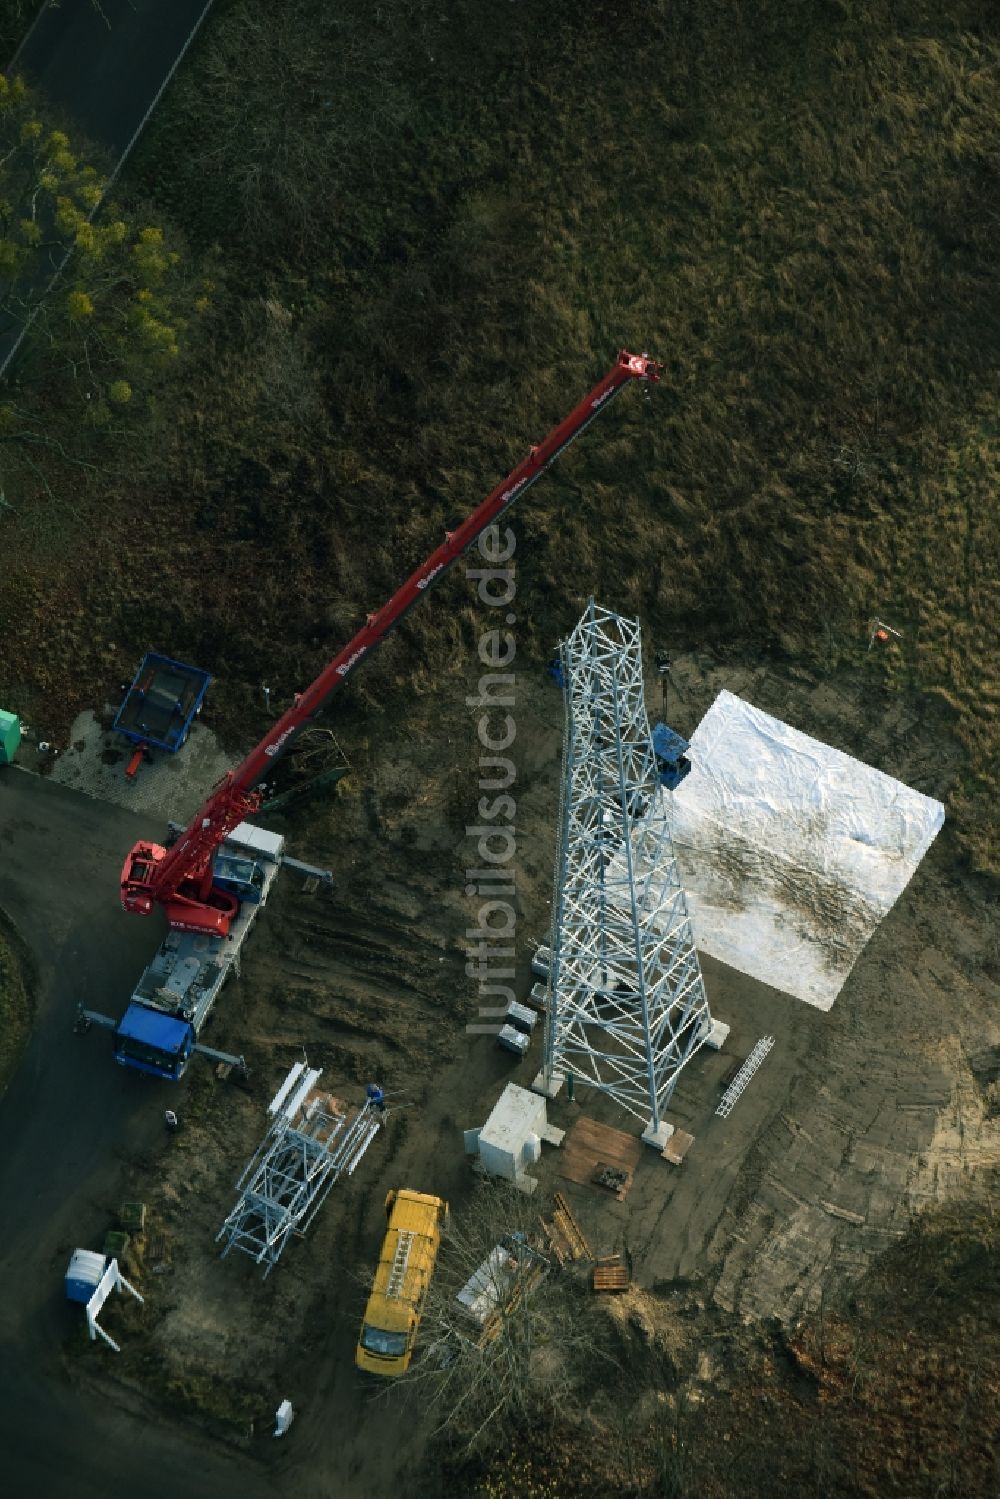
(93, 301)
(524, 1335)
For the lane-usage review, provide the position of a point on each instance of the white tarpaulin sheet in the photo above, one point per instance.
(791, 852)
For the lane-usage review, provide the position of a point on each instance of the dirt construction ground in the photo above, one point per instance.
(856, 1119)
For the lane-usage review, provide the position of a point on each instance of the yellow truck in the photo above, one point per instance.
(405, 1267)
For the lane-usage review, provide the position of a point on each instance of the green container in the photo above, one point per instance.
(132, 1216)
(116, 1243)
(10, 736)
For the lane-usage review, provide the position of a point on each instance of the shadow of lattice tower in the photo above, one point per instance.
(627, 1007)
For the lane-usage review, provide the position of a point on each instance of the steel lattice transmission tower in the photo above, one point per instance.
(627, 1007)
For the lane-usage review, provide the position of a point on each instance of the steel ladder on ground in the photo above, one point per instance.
(746, 1072)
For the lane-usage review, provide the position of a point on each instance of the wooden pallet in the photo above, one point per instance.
(677, 1147)
(610, 1275)
(570, 1229)
(565, 1236)
(589, 1145)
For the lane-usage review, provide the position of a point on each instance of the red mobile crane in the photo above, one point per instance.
(182, 879)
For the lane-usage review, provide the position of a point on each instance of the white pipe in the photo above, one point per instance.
(286, 1087)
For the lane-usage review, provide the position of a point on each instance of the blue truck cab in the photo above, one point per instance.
(152, 1042)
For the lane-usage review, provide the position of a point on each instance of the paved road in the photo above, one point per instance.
(67, 1121)
(105, 75)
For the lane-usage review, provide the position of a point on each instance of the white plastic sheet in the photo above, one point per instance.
(791, 852)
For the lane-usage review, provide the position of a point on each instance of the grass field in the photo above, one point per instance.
(439, 240)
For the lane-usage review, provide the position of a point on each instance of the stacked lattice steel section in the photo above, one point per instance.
(627, 1004)
(311, 1144)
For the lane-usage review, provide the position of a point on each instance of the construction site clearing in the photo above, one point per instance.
(859, 1117)
(657, 1148)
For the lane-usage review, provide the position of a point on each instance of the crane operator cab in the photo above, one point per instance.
(672, 764)
(241, 877)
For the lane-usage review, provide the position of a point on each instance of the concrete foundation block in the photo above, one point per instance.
(657, 1137)
(717, 1035)
(548, 1087)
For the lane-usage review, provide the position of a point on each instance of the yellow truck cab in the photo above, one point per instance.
(405, 1267)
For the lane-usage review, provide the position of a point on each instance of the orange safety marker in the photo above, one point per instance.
(879, 631)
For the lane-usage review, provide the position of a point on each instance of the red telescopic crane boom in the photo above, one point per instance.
(180, 878)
